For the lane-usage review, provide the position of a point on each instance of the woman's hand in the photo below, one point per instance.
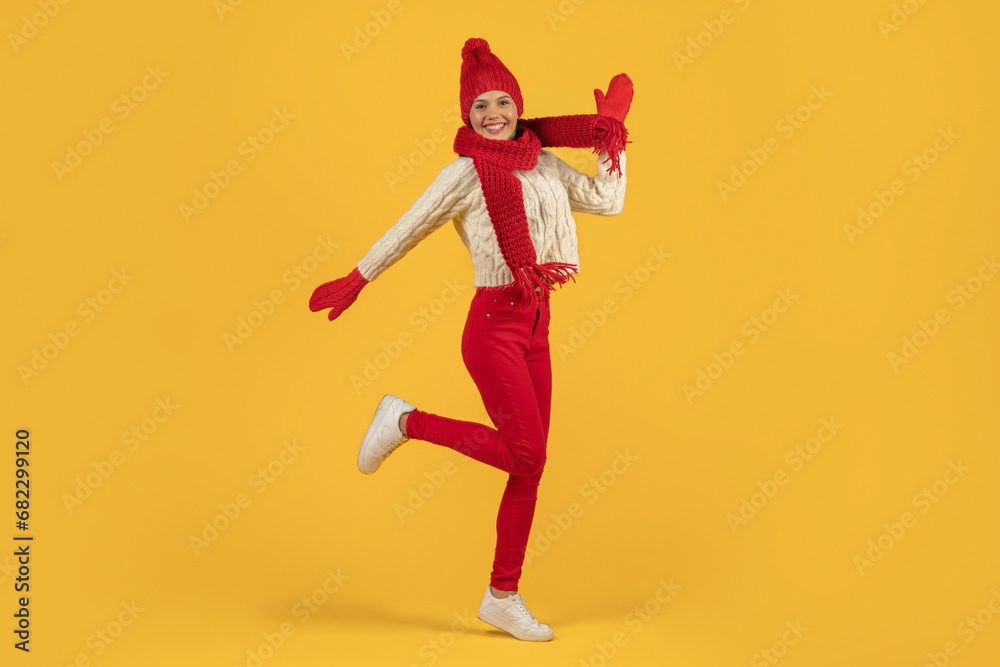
(618, 100)
(337, 294)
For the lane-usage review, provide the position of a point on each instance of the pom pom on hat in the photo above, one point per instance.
(474, 44)
(482, 72)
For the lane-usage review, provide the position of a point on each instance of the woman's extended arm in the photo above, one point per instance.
(445, 198)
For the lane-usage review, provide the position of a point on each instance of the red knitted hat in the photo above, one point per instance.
(482, 72)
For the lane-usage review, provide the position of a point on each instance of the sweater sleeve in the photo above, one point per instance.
(603, 194)
(444, 199)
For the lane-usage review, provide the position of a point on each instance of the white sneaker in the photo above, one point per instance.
(511, 615)
(383, 436)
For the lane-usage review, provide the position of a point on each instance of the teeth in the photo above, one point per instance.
(495, 127)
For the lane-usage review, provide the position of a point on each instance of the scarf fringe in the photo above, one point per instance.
(543, 276)
(612, 136)
(558, 272)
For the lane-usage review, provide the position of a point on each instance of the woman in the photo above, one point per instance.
(511, 203)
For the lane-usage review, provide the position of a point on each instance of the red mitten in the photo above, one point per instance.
(337, 294)
(618, 100)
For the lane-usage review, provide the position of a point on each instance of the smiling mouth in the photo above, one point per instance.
(495, 128)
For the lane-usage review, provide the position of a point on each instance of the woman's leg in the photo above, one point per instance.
(506, 349)
(496, 345)
(517, 507)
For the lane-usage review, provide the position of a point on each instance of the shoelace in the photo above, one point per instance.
(392, 448)
(519, 601)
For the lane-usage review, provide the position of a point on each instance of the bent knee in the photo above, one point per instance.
(530, 462)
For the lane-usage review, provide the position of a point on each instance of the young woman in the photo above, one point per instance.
(512, 204)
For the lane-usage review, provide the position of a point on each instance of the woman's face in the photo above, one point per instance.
(494, 115)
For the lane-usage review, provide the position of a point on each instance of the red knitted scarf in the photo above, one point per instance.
(495, 162)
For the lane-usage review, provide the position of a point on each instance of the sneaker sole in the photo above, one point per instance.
(498, 623)
(383, 406)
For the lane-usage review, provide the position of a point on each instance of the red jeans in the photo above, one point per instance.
(505, 346)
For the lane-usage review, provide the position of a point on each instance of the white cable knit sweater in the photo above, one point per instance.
(552, 190)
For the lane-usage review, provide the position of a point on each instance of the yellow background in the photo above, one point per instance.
(359, 115)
